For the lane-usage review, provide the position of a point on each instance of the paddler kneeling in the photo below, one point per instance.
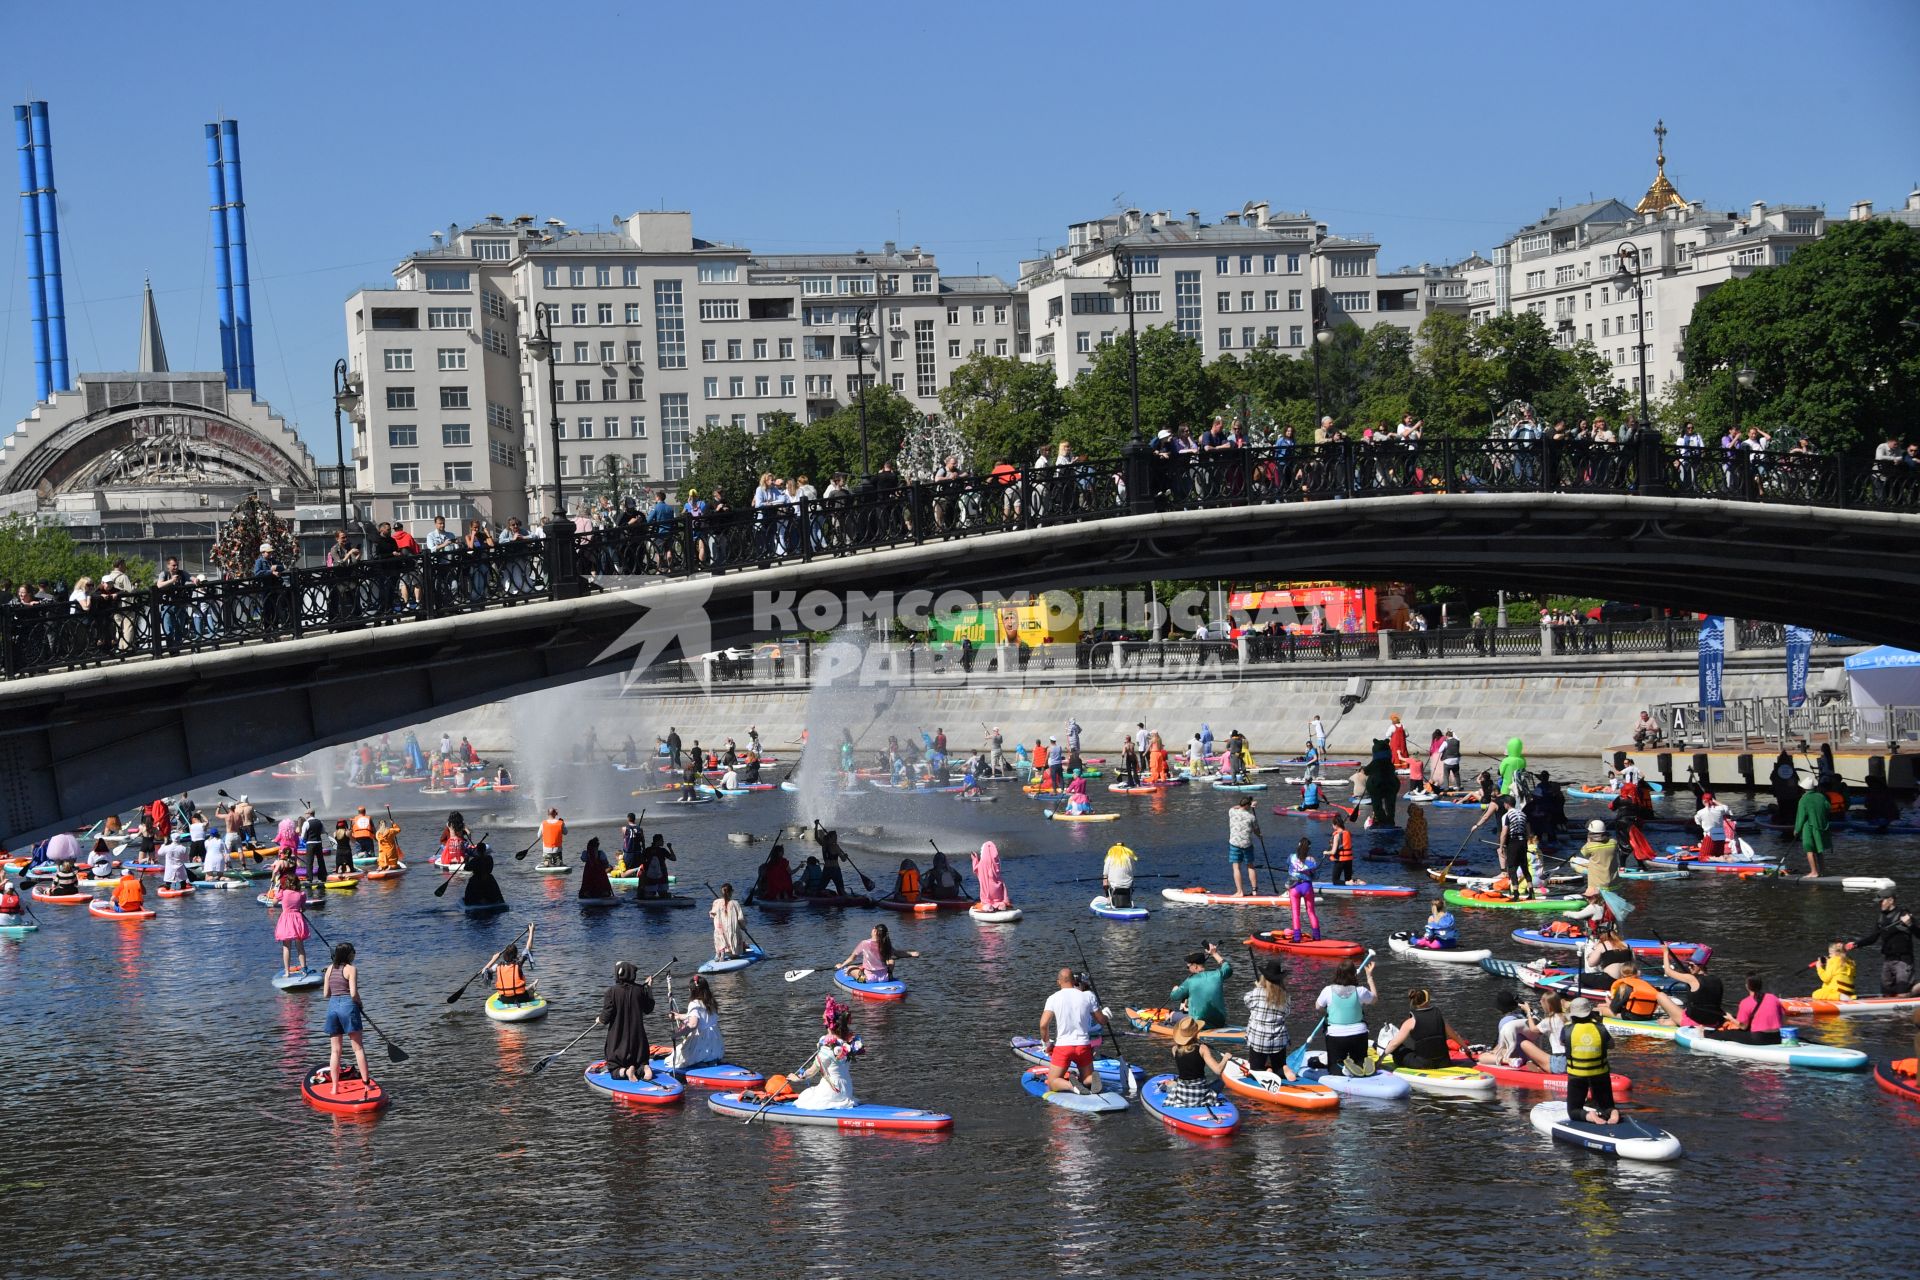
(623, 1011)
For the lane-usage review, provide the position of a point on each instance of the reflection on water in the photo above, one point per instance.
(481, 1167)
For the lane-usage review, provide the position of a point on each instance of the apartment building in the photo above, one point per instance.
(656, 335)
(1562, 268)
(1247, 280)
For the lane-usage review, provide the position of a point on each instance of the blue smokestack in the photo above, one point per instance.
(222, 273)
(50, 246)
(237, 249)
(30, 229)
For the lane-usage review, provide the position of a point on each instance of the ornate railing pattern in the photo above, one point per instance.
(567, 561)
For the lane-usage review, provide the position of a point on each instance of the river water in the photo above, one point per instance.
(153, 1107)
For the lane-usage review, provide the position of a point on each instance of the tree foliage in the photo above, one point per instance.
(1826, 336)
(33, 552)
(1003, 408)
(1175, 388)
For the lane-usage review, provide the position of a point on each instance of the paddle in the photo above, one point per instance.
(262, 813)
(528, 931)
(1272, 879)
(1130, 1086)
(776, 1085)
(1297, 1060)
(1153, 875)
(866, 881)
(394, 1052)
(521, 856)
(548, 1061)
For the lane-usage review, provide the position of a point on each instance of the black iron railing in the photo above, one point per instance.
(566, 561)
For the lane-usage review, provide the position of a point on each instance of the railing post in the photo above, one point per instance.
(1136, 462)
(1349, 469)
(1650, 467)
(1446, 466)
(156, 641)
(913, 512)
(1548, 477)
(685, 530)
(563, 562)
(296, 603)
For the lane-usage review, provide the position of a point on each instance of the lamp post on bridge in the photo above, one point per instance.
(541, 346)
(1743, 379)
(1120, 284)
(1623, 280)
(865, 343)
(346, 399)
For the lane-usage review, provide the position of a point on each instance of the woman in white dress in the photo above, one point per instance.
(729, 926)
(698, 1029)
(831, 1059)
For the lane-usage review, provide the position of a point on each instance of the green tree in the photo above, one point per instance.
(1175, 388)
(1454, 388)
(728, 459)
(34, 552)
(1826, 335)
(1267, 377)
(1004, 408)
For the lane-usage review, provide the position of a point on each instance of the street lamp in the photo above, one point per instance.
(541, 346)
(865, 343)
(1121, 285)
(346, 399)
(1624, 279)
(1743, 379)
(1321, 337)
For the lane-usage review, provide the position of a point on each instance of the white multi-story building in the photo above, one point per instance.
(657, 334)
(1563, 268)
(1245, 281)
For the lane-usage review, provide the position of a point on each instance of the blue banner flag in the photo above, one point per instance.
(1799, 654)
(1713, 658)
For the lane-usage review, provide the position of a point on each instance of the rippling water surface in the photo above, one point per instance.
(154, 1089)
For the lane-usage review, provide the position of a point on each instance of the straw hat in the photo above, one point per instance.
(1186, 1032)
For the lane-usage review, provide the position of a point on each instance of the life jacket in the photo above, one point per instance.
(1342, 845)
(1643, 795)
(509, 981)
(1634, 998)
(550, 832)
(907, 888)
(129, 894)
(1837, 803)
(9, 902)
(362, 827)
(1587, 1050)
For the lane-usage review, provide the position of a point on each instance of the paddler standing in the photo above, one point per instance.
(363, 843)
(553, 830)
(654, 876)
(482, 889)
(1242, 828)
(1811, 822)
(1589, 1073)
(729, 926)
(387, 844)
(986, 870)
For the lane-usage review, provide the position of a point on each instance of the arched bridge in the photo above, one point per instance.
(265, 669)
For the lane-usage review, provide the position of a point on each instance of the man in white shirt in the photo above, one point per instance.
(1066, 1028)
(1712, 821)
(1140, 737)
(440, 539)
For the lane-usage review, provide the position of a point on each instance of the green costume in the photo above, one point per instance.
(1810, 821)
(1512, 766)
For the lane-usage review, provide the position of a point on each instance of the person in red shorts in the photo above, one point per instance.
(1066, 1028)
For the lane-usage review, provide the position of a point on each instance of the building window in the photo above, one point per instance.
(456, 433)
(398, 360)
(492, 250)
(1085, 304)
(855, 284)
(979, 346)
(1567, 275)
(1148, 301)
(565, 470)
(634, 352)
(606, 353)
(603, 313)
(449, 317)
(733, 348)
(577, 277)
(1273, 335)
(719, 272)
(1350, 264)
(1269, 263)
(609, 388)
(452, 358)
(497, 416)
(405, 475)
(583, 389)
(786, 384)
(899, 382)
(1353, 301)
(1246, 300)
(980, 313)
(1226, 339)
(762, 386)
(495, 341)
(1146, 264)
(786, 348)
(719, 308)
(816, 286)
(636, 388)
(630, 277)
(583, 428)
(1082, 341)
(500, 452)
(1295, 335)
(403, 437)
(637, 426)
(1246, 337)
(1220, 265)
(673, 435)
(550, 277)
(709, 350)
(1223, 302)
(1273, 299)
(633, 313)
(999, 315)
(736, 388)
(579, 313)
(670, 321)
(580, 350)
(447, 281)
(399, 397)
(925, 379)
(1536, 279)
(610, 427)
(560, 424)
(923, 282)
(1186, 304)
(1000, 346)
(710, 388)
(453, 398)
(953, 348)
(1293, 264)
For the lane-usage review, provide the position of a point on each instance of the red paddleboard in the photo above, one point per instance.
(1329, 948)
(354, 1096)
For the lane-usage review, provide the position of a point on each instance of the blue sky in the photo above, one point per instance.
(977, 131)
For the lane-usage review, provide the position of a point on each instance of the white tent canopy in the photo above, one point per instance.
(1884, 677)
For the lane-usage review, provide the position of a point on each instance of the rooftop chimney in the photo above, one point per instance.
(237, 249)
(1193, 219)
(36, 276)
(1231, 217)
(222, 269)
(1861, 210)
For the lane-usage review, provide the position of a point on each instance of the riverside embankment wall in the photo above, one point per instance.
(1558, 706)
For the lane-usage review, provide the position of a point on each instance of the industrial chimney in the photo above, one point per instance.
(222, 272)
(36, 275)
(237, 251)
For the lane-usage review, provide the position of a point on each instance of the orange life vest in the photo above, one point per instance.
(909, 887)
(1342, 845)
(509, 981)
(550, 832)
(1634, 997)
(362, 827)
(1837, 802)
(129, 894)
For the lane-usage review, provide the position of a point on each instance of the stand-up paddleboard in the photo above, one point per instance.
(1034, 1081)
(523, 1011)
(105, 910)
(863, 1117)
(300, 981)
(1500, 902)
(752, 956)
(1325, 948)
(891, 989)
(1001, 915)
(1630, 1139)
(1214, 1121)
(1113, 1075)
(661, 1091)
(1101, 906)
(1402, 944)
(1898, 1078)
(1381, 1086)
(351, 1097)
(1161, 1022)
(1802, 1053)
(483, 908)
(1649, 948)
(1054, 815)
(1239, 1077)
(1852, 1007)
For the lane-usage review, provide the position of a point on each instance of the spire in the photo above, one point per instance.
(153, 349)
(1660, 196)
